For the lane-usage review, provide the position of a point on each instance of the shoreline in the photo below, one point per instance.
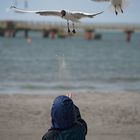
(59, 92)
(110, 116)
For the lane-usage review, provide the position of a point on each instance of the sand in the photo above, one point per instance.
(110, 116)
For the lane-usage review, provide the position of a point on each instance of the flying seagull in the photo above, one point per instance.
(117, 4)
(67, 15)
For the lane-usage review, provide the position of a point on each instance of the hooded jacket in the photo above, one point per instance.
(62, 113)
(67, 123)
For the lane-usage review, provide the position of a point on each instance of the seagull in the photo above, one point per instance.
(67, 15)
(117, 4)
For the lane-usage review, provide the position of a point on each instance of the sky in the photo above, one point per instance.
(131, 10)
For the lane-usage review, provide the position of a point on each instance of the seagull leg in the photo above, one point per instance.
(121, 8)
(73, 28)
(116, 11)
(68, 26)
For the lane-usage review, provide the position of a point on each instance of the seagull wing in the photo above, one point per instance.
(21, 10)
(79, 15)
(49, 13)
(43, 13)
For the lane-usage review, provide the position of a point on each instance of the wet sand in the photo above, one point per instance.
(110, 116)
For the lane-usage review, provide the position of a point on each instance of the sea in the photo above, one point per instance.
(74, 64)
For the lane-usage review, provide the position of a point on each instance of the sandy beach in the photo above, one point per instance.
(110, 116)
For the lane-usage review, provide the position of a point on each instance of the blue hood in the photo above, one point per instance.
(62, 113)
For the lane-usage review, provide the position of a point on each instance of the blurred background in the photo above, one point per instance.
(37, 55)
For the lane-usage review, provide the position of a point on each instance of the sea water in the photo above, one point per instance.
(72, 64)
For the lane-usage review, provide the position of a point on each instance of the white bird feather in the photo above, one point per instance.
(117, 4)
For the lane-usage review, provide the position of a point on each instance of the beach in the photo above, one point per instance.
(110, 116)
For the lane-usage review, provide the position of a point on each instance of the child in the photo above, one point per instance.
(67, 123)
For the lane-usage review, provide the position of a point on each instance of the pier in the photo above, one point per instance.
(11, 28)
(48, 29)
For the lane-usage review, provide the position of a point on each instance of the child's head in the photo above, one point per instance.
(62, 112)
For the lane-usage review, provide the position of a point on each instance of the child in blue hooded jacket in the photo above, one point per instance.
(67, 123)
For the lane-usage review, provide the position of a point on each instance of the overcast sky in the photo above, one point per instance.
(131, 10)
